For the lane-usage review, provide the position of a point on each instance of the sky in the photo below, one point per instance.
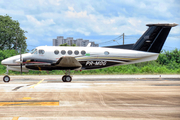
(100, 21)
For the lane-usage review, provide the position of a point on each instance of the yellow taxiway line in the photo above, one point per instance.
(29, 103)
(37, 83)
(26, 98)
(15, 118)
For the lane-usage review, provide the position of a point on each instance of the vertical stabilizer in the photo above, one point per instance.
(154, 37)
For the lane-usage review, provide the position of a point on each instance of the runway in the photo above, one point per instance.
(118, 97)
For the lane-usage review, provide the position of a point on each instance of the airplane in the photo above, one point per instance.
(47, 58)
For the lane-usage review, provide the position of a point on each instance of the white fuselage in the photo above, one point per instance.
(89, 57)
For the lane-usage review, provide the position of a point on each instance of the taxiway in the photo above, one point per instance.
(91, 97)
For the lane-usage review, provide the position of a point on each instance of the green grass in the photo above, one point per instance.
(148, 68)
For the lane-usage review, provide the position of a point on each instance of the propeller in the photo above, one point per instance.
(21, 61)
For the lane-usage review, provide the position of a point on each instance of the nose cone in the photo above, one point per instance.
(3, 62)
(10, 60)
(6, 62)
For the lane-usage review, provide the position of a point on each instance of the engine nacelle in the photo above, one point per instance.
(18, 68)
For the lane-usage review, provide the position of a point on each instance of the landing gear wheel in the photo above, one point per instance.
(6, 78)
(66, 78)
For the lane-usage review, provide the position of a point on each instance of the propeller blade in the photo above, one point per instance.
(21, 61)
(21, 68)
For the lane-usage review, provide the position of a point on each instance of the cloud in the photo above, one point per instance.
(32, 42)
(176, 30)
(71, 8)
(74, 14)
(46, 18)
(41, 23)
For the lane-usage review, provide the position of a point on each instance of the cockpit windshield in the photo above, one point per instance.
(34, 51)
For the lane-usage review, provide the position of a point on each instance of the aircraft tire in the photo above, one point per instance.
(64, 78)
(68, 78)
(6, 78)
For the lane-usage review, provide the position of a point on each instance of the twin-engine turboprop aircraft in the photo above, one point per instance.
(49, 58)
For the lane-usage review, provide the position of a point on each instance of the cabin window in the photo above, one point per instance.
(69, 52)
(34, 51)
(41, 51)
(63, 52)
(83, 52)
(106, 53)
(76, 52)
(56, 52)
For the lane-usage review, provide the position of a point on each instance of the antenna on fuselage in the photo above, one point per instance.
(89, 45)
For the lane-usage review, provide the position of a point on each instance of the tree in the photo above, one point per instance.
(11, 35)
(65, 44)
(6, 54)
(166, 57)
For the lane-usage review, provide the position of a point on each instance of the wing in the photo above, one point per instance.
(63, 63)
(68, 62)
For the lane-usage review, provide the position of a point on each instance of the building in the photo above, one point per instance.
(60, 40)
(70, 41)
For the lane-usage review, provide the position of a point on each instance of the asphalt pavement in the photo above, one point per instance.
(118, 97)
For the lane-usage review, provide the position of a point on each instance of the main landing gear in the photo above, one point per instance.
(6, 78)
(67, 77)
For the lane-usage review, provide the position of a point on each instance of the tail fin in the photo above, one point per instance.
(154, 37)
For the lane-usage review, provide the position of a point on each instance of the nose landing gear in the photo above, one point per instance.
(67, 77)
(6, 78)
